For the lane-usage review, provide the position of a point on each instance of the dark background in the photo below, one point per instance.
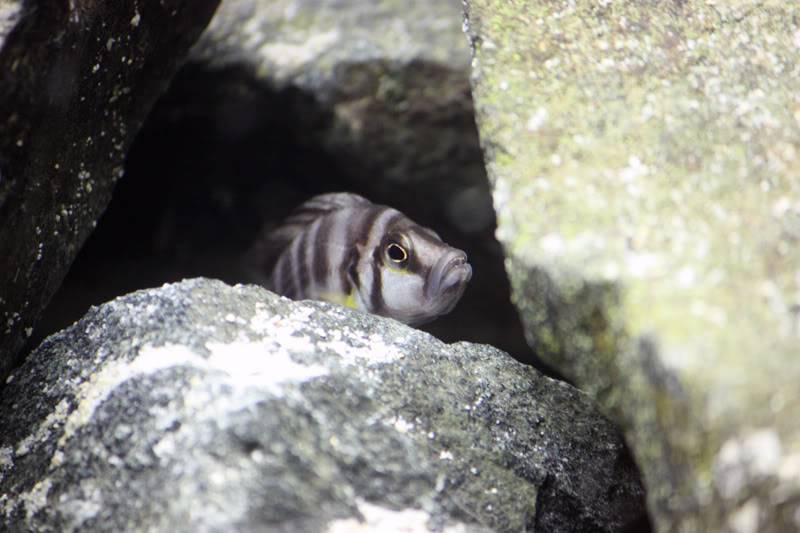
(222, 156)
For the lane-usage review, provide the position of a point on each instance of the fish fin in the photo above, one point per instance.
(351, 301)
(341, 299)
(309, 211)
(261, 258)
(324, 203)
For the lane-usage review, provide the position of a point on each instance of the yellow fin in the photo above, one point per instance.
(339, 298)
(351, 300)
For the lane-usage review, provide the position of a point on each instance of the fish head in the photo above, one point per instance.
(421, 277)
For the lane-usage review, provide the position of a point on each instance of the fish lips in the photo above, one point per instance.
(447, 281)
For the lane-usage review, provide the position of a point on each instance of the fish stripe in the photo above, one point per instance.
(319, 262)
(374, 261)
(363, 231)
(376, 300)
(349, 274)
(301, 264)
(415, 263)
(294, 267)
(339, 246)
(306, 252)
(347, 269)
(396, 215)
(359, 234)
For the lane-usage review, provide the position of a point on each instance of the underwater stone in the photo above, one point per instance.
(645, 158)
(78, 79)
(201, 406)
(384, 86)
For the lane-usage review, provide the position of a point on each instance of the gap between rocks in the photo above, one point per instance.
(223, 153)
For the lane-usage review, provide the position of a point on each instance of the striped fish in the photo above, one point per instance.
(342, 248)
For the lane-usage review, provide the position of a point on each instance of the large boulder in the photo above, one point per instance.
(384, 86)
(204, 407)
(645, 164)
(78, 79)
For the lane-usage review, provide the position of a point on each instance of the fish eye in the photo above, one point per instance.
(396, 253)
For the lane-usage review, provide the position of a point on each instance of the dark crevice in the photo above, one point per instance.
(222, 154)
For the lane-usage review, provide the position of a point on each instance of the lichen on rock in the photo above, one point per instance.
(644, 160)
(203, 406)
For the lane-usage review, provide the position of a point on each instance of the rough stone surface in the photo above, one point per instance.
(644, 158)
(383, 86)
(392, 75)
(204, 407)
(78, 79)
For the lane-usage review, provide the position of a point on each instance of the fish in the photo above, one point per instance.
(344, 249)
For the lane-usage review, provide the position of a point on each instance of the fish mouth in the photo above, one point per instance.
(447, 281)
(456, 271)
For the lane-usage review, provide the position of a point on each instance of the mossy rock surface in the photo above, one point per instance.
(645, 164)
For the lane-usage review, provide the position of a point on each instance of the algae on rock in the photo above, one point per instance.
(645, 164)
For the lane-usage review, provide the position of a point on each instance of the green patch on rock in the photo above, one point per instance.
(645, 161)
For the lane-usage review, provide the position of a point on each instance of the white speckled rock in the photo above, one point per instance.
(78, 78)
(204, 407)
(645, 160)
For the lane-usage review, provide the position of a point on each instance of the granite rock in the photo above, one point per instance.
(204, 407)
(644, 161)
(385, 84)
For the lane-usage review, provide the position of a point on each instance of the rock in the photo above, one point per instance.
(78, 79)
(644, 160)
(279, 101)
(200, 406)
(382, 87)
(392, 76)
